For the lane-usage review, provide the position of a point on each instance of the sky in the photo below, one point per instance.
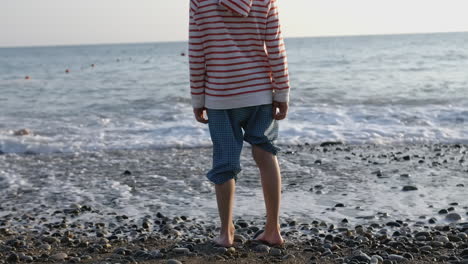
(66, 22)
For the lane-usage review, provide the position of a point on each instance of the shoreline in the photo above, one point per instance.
(285, 147)
(125, 206)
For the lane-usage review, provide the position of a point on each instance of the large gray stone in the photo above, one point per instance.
(453, 217)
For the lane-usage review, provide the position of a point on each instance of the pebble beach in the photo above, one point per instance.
(39, 227)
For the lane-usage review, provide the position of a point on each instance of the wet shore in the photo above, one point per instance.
(360, 204)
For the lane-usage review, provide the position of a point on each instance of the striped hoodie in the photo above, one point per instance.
(237, 54)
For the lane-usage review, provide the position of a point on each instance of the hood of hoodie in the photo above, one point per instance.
(240, 7)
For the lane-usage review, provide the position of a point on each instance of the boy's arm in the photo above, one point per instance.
(277, 55)
(196, 61)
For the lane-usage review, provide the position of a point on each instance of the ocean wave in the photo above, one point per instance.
(358, 124)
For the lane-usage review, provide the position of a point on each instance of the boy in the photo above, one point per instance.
(239, 77)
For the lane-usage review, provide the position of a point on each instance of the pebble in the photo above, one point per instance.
(425, 248)
(173, 261)
(146, 225)
(103, 240)
(242, 223)
(12, 258)
(394, 224)
(463, 236)
(156, 254)
(326, 252)
(5, 231)
(409, 188)
(121, 251)
(59, 256)
(408, 256)
(51, 240)
(361, 256)
(27, 259)
(395, 257)
(45, 247)
(449, 245)
(239, 238)
(442, 239)
(75, 260)
(275, 252)
(443, 211)
(289, 256)
(376, 259)
(437, 244)
(221, 250)
(83, 244)
(181, 251)
(262, 248)
(422, 233)
(453, 217)
(464, 254)
(231, 250)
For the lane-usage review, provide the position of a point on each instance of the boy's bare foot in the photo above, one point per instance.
(225, 239)
(271, 238)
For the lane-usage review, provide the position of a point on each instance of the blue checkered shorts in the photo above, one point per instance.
(229, 128)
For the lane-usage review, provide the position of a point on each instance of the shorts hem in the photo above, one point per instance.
(267, 146)
(222, 177)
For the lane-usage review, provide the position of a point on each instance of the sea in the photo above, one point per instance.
(364, 89)
(62, 108)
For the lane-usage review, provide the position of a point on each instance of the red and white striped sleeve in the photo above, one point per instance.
(196, 60)
(277, 57)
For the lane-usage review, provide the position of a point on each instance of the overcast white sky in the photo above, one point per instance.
(55, 22)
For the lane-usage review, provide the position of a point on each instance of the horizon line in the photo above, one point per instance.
(180, 41)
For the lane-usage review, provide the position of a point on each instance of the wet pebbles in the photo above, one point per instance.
(81, 233)
(307, 242)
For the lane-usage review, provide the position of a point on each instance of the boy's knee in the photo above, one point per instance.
(256, 153)
(264, 150)
(260, 155)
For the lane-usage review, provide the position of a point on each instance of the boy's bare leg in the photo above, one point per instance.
(225, 198)
(271, 183)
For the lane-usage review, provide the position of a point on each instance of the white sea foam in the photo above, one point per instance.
(352, 124)
(173, 182)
